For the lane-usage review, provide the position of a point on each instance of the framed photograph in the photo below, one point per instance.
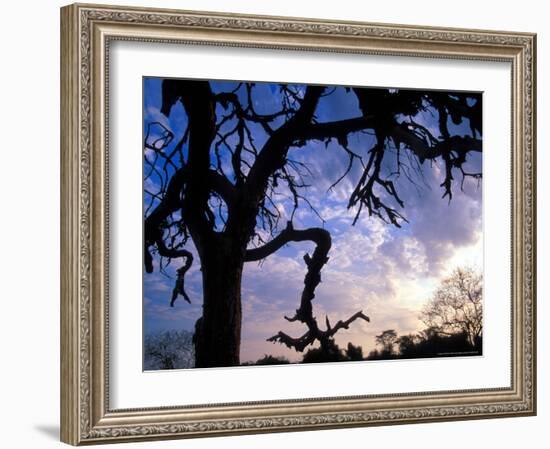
(280, 224)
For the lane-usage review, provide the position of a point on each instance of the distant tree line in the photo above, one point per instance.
(428, 343)
(453, 318)
(454, 322)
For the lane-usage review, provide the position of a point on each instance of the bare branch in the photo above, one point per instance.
(314, 264)
(179, 288)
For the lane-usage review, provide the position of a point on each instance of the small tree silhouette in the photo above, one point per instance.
(354, 353)
(387, 340)
(457, 306)
(328, 352)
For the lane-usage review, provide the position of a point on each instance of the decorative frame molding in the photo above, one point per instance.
(86, 32)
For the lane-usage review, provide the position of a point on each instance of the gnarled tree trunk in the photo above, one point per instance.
(218, 331)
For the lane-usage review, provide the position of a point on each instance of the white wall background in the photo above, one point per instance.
(29, 177)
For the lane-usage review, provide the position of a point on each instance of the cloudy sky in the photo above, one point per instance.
(387, 272)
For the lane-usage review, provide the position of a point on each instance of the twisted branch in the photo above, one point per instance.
(314, 263)
(179, 288)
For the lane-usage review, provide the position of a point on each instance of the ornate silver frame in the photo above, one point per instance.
(86, 32)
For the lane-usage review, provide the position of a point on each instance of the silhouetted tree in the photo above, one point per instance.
(329, 352)
(354, 353)
(457, 306)
(387, 340)
(220, 174)
(375, 354)
(408, 345)
(272, 360)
